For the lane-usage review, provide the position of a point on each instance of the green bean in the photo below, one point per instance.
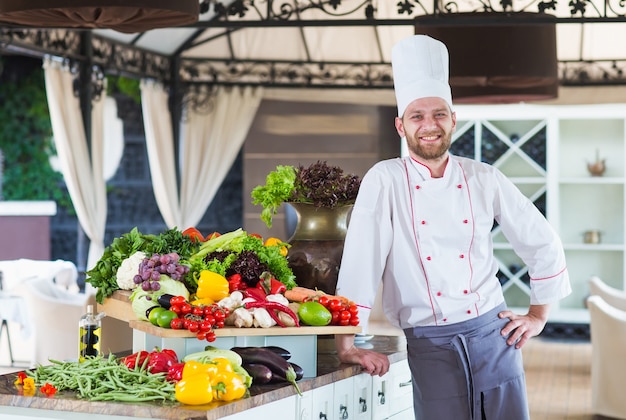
(105, 379)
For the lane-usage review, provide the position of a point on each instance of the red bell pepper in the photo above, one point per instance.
(270, 285)
(175, 372)
(161, 360)
(135, 360)
(235, 282)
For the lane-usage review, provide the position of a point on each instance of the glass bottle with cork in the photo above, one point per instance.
(90, 335)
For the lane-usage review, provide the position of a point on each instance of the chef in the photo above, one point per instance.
(422, 225)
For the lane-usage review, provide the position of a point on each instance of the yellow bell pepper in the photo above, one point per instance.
(212, 285)
(195, 389)
(277, 242)
(193, 367)
(228, 386)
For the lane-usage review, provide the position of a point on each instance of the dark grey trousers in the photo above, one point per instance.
(466, 371)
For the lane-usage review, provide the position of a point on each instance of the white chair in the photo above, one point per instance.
(54, 316)
(614, 297)
(608, 341)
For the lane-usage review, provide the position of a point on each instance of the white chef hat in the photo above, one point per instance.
(420, 70)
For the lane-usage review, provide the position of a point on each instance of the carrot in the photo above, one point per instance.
(302, 294)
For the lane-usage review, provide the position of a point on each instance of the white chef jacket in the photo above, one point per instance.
(429, 241)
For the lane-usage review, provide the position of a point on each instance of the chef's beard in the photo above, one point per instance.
(429, 151)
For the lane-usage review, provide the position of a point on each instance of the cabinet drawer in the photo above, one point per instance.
(401, 390)
(362, 400)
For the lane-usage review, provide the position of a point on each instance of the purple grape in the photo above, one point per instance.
(155, 275)
(146, 286)
(137, 279)
(145, 274)
(156, 285)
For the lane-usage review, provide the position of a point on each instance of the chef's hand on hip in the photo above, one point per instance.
(521, 328)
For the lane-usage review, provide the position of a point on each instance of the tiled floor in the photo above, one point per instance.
(558, 375)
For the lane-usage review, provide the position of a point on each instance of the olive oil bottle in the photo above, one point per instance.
(90, 334)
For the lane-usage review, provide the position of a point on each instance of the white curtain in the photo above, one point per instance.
(209, 146)
(82, 172)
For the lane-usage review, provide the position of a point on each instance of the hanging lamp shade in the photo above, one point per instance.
(497, 57)
(127, 16)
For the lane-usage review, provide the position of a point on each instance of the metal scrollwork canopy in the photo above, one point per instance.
(221, 21)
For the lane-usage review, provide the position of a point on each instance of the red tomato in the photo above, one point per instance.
(175, 308)
(345, 315)
(194, 234)
(177, 324)
(323, 300)
(335, 305)
(354, 321)
(177, 300)
(213, 235)
(353, 309)
(256, 235)
(185, 308)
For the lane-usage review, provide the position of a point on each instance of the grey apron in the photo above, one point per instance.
(466, 371)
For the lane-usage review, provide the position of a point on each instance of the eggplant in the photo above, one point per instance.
(284, 353)
(164, 300)
(278, 365)
(297, 369)
(260, 373)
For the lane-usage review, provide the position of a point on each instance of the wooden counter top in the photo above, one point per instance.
(329, 371)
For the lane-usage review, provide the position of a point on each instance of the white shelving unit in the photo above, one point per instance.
(545, 150)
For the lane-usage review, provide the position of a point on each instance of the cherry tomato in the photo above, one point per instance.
(210, 319)
(201, 335)
(194, 326)
(345, 315)
(323, 300)
(335, 317)
(344, 322)
(205, 326)
(353, 309)
(197, 310)
(354, 321)
(210, 336)
(177, 324)
(185, 308)
(175, 308)
(335, 305)
(177, 300)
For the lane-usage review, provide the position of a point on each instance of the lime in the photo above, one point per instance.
(153, 315)
(314, 313)
(165, 318)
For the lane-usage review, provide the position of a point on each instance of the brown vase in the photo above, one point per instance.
(317, 245)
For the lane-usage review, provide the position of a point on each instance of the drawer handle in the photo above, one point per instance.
(407, 383)
(363, 404)
(343, 412)
(323, 416)
(381, 397)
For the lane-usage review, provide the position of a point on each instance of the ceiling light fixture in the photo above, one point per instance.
(494, 59)
(129, 16)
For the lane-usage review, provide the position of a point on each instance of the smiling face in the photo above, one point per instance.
(427, 124)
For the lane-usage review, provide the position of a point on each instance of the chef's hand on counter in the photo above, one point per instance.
(522, 327)
(372, 362)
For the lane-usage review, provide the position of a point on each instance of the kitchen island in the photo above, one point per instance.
(367, 398)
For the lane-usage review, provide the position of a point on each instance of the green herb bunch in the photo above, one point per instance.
(319, 184)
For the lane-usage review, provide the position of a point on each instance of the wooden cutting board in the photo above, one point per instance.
(118, 306)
